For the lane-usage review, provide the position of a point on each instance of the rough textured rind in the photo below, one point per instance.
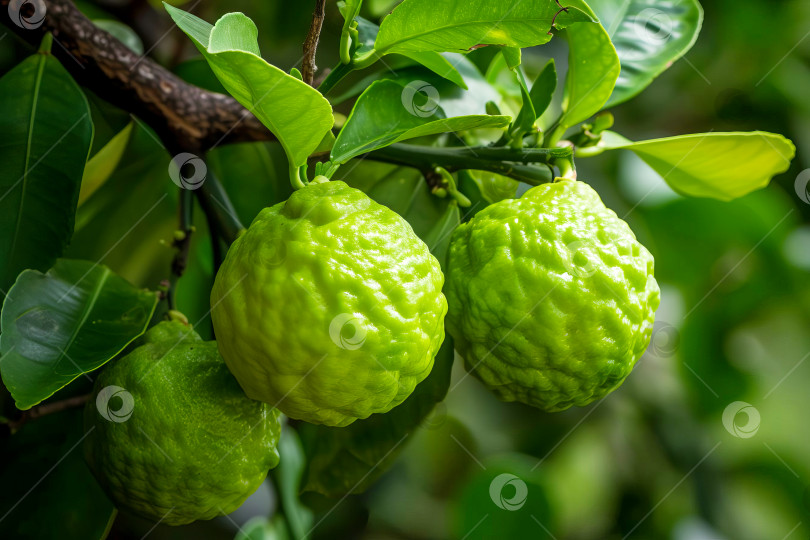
(552, 298)
(195, 446)
(329, 307)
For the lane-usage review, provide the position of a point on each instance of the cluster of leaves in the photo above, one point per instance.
(65, 318)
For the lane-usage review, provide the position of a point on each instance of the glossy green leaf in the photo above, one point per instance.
(46, 136)
(432, 60)
(721, 166)
(512, 55)
(543, 88)
(122, 33)
(99, 168)
(348, 460)
(49, 483)
(459, 25)
(69, 321)
(524, 122)
(593, 67)
(349, 9)
(297, 114)
(388, 112)
(649, 35)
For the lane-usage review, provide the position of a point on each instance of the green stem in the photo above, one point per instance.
(182, 242)
(335, 76)
(215, 203)
(506, 161)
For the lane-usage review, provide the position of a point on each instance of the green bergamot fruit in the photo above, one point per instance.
(172, 436)
(551, 297)
(329, 307)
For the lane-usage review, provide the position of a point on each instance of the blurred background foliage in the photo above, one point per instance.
(654, 459)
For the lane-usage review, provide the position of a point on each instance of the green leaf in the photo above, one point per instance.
(525, 119)
(593, 67)
(69, 321)
(46, 136)
(122, 33)
(46, 481)
(512, 56)
(388, 112)
(288, 478)
(649, 35)
(297, 114)
(432, 60)
(721, 166)
(349, 9)
(348, 460)
(543, 88)
(459, 25)
(99, 168)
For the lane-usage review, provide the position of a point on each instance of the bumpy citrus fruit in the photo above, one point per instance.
(172, 436)
(551, 296)
(329, 307)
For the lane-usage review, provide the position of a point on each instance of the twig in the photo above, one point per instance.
(48, 408)
(182, 242)
(308, 66)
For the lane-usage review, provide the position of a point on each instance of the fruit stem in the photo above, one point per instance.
(502, 160)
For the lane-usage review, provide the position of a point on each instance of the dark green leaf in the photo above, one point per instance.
(543, 88)
(46, 136)
(722, 166)
(459, 25)
(288, 477)
(297, 114)
(388, 112)
(649, 35)
(593, 68)
(70, 321)
(50, 484)
(348, 460)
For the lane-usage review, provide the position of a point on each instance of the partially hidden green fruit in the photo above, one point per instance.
(172, 436)
(329, 306)
(552, 298)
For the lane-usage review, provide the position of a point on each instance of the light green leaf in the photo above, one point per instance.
(649, 35)
(593, 68)
(526, 117)
(459, 25)
(512, 55)
(46, 137)
(721, 166)
(69, 321)
(432, 60)
(349, 9)
(297, 114)
(388, 112)
(99, 168)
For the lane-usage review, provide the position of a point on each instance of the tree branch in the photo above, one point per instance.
(48, 408)
(308, 66)
(185, 116)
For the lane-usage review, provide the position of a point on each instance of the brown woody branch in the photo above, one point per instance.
(308, 66)
(185, 116)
